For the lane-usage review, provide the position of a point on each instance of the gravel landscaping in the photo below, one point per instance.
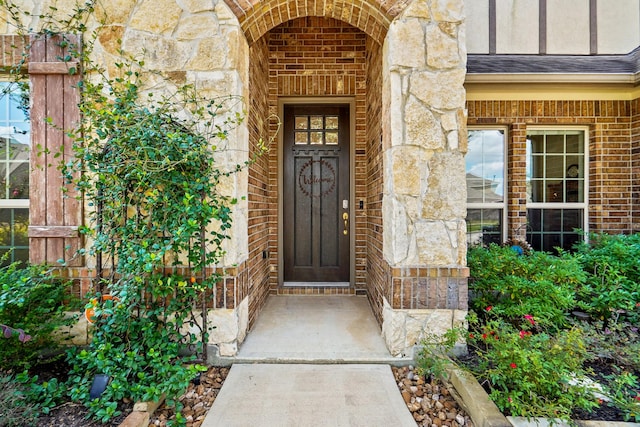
(429, 401)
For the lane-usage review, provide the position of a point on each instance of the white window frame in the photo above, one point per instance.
(13, 203)
(584, 205)
(504, 204)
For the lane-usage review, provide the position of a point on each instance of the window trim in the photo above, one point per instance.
(18, 203)
(503, 206)
(584, 205)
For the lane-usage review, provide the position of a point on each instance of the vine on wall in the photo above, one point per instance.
(145, 164)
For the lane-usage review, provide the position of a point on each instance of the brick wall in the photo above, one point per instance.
(378, 269)
(635, 161)
(609, 125)
(372, 17)
(261, 197)
(419, 287)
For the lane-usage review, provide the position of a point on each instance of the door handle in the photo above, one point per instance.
(345, 217)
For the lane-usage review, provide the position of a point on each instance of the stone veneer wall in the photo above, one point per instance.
(610, 153)
(424, 194)
(635, 162)
(198, 42)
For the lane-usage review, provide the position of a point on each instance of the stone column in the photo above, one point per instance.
(424, 201)
(198, 42)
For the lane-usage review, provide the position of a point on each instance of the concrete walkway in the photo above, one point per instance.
(315, 329)
(296, 395)
(312, 361)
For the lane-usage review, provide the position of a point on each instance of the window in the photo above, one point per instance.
(14, 176)
(485, 173)
(556, 187)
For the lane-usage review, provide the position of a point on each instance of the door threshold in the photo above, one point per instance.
(316, 284)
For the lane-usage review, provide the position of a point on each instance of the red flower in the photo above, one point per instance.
(484, 336)
(513, 366)
(496, 337)
(489, 308)
(471, 336)
(638, 398)
(530, 319)
(524, 334)
(510, 399)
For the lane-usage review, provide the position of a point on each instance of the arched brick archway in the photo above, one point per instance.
(408, 243)
(372, 17)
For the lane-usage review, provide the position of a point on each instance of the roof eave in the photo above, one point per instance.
(582, 78)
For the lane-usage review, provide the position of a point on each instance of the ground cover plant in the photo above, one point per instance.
(554, 336)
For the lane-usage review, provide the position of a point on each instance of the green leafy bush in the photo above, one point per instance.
(139, 351)
(530, 373)
(33, 301)
(514, 285)
(612, 287)
(15, 409)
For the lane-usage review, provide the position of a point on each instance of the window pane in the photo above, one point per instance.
(20, 227)
(555, 143)
(537, 144)
(485, 166)
(316, 122)
(535, 191)
(19, 180)
(331, 138)
(5, 227)
(555, 191)
(572, 219)
(556, 170)
(551, 220)
(14, 176)
(575, 191)
(484, 226)
(301, 137)
(316, 137)
(575, 143)
(551, 228)
(301, 122)
(554, 167)
(331, 122)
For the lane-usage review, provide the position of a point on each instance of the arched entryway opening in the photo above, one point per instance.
(406, 195)
(321, 62)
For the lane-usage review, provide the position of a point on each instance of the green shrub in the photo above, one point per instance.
(33, 301)
(513, 285)
(139, 347)
(612, 263)
(15, 408)
(532, 374)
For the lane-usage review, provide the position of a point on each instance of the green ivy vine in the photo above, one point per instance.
(146, 166)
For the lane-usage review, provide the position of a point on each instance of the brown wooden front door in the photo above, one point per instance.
(316, 193)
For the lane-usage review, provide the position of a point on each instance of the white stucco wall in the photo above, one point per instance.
(477, 22)
(618, 26)
(568, 26)
(517, 26)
